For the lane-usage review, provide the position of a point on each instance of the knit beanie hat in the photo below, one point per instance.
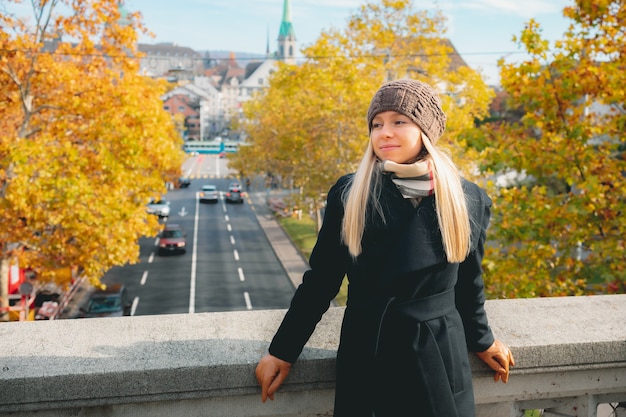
(416, 100)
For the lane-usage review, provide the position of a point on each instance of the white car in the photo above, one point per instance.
(209, 193)
(159, 208)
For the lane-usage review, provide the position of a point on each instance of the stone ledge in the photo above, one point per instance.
(210, 357)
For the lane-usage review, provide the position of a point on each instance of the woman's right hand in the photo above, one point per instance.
(270, 373)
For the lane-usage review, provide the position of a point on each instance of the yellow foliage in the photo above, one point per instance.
(84, 141)
(310, 126)
(559, 231)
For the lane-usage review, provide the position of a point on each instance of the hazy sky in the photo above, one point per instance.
(481, 30)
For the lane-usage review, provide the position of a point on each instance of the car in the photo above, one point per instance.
(234, 195)
(184, 182)
(172, 240)
(111, 301)
(159, 207)
(209, 193)
(235, 184)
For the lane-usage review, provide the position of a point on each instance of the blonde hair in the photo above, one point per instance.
(452, 214)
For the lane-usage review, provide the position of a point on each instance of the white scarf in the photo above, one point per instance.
(413, 180)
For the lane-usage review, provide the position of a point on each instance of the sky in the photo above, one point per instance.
(480, 30)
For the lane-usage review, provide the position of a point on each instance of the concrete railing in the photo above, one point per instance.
(570, 354)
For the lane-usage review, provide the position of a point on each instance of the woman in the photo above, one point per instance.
(409, 233)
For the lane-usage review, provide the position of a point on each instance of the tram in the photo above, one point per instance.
(210, 146)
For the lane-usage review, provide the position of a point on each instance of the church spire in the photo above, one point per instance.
(287, 36)
(124, 19)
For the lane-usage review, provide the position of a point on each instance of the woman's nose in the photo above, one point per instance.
(385, 131)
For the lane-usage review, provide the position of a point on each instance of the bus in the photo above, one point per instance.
(210, 146)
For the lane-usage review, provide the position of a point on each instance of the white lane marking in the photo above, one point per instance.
(133, 307)
(226, 218)
(240, 272)
(151, 258)
(236, 254)
(230, 229)
(144, 277)
(232, 240)
(246, 297)
(194, 257)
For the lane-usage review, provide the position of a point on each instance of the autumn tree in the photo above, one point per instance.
(560, 227)
(84, 141)
(310, 126)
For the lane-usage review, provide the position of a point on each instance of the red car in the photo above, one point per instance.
(172, 240)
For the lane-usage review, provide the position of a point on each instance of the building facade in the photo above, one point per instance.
(209, 93)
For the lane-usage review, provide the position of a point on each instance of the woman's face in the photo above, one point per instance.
(395, 137)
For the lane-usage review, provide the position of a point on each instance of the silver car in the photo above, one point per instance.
(159, 208)
(209, 194)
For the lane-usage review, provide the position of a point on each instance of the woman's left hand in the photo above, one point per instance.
(499, 358)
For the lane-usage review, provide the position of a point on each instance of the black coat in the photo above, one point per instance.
(410, 317)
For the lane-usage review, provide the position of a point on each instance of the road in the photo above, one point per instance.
(229, 264)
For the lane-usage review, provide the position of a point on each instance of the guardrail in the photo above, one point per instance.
(570, 354)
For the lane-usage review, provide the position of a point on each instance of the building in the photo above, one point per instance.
(224, 85)
(226, 77)
(210, 92)
(169, 60)
(287, 37)
(256, 78)
(201, 106)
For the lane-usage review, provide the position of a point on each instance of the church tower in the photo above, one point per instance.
(124, 19)
(287, 37)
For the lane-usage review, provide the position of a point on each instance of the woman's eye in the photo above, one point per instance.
(400, 122)
(376, 125)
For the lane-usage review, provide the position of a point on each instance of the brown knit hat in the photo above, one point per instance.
(416, 100)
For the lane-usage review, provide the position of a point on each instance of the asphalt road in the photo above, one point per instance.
(229, 264)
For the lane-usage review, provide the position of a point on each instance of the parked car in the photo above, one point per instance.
(184, 182)
(172, 240)
(234, 195)
(159, 208)
(209, 193)
(112, 301)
